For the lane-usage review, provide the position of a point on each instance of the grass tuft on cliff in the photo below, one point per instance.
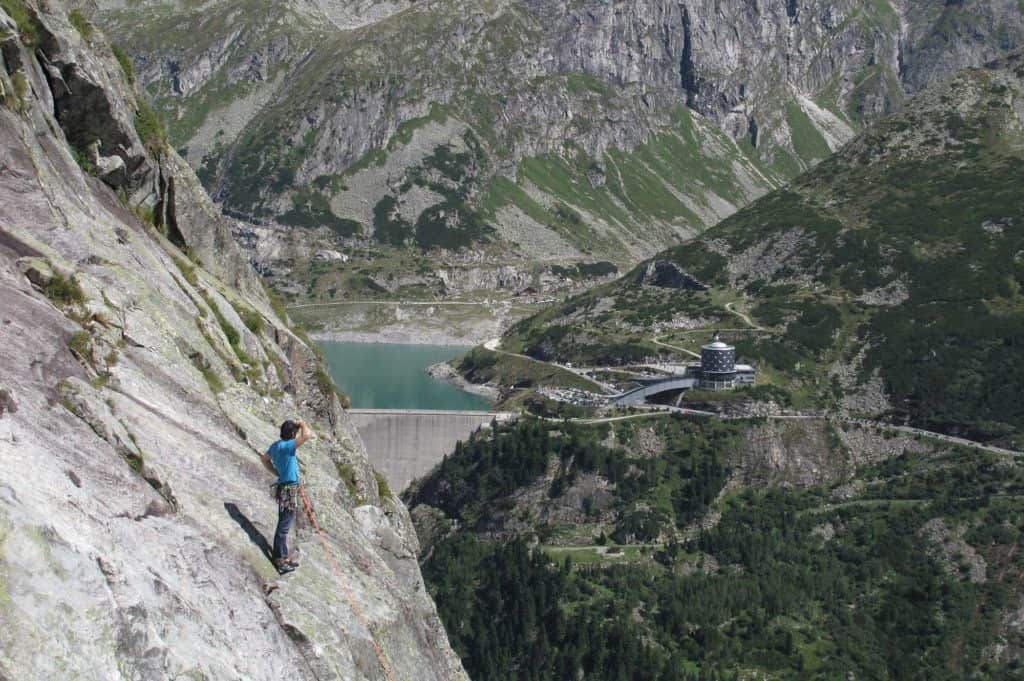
(28, 28)
(149, 127)
(80, 21)
(125, 62)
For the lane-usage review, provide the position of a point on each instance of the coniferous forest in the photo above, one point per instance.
(912, 576)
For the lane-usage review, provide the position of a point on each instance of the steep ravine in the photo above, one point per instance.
(142, 368)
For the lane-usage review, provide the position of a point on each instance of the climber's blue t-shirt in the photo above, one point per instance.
(282, 453)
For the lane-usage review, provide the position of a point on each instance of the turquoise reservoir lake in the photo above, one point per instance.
(393, 376)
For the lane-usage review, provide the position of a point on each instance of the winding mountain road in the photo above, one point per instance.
(676, 347)
(494, 344)
(745, 317)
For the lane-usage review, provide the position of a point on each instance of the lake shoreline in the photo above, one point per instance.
(443, 371)
(399, 337)
(381, 375)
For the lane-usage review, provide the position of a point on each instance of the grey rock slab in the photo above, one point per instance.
(135, 517)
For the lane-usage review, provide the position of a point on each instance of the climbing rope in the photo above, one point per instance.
(344, 586)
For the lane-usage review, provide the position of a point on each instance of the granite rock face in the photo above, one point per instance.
(599, 74)
(138, 387)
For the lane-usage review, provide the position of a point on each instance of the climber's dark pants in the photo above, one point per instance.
(285, 518)
(286, 507)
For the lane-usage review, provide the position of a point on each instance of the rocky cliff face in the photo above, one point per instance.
(547, 129)
(143, 370)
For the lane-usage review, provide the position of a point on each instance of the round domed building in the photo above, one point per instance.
(718, 365)
(718, 358)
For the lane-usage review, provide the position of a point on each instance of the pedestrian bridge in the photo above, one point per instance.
(640, 395)
(407, 444)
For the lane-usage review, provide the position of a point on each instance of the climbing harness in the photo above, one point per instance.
(344, 586)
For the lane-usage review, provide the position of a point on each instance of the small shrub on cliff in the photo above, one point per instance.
(83, 161)
(80, 344)
(230, 332)
(150, 128)
(302, 332)
(81, 23)
(347, 474)
(209, 375)
(328, 387)
(135, 461)
(325, 383)
(64, 290)
(13, 97)
(212, 380)
(383, 489)
(276, 302)
(145, 215)
(20, 82)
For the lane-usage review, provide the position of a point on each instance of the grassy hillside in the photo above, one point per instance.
(886, 281)
(673, 549)
(445, 181)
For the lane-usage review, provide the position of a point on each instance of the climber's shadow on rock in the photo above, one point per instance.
(255, 536)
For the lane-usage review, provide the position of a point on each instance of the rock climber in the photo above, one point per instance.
(281, 458)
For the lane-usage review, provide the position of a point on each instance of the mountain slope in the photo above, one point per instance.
(672, 548)
(531, 131)
(883, 282)
(138, 388)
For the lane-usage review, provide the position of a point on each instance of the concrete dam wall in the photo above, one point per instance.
(405, 445)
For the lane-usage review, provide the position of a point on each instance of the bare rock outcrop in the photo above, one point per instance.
(665, 274)
(791, 454)
(138, 387)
